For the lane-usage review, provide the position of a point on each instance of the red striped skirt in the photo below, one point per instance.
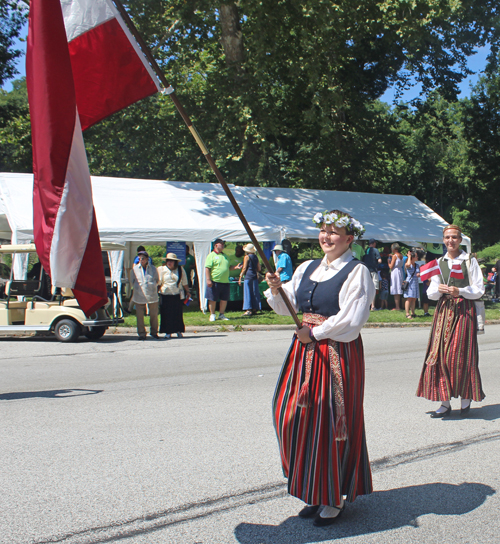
(451, 363)
(320, 465)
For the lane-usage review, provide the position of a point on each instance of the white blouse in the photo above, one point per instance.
(355, 298)
(168, 281)
(474, 291)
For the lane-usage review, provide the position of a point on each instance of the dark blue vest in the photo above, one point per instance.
(322, 297)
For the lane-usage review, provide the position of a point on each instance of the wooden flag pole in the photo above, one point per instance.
(170, 91)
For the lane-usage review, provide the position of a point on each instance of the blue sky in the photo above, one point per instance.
(476, 63)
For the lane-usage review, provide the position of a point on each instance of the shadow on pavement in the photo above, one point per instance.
(54, 394)
(485, 412)
(381, 511)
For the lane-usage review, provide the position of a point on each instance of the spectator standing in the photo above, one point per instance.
(283, 263)
(384, 289)
(250, 270)
(396, 267)
(190, 268)
(372, 260)
(173, 289)
(411, 293)
(144, 282)
(217, 275)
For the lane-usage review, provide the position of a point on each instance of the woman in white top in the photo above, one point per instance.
(318, 402)
(451, 363)
(173, 288)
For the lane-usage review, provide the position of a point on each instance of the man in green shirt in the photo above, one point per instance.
(217, 275)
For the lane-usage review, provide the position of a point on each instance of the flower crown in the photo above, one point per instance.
(339, 220)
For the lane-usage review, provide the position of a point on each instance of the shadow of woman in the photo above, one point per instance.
(380, 511)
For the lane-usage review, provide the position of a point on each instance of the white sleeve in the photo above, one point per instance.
(433, 289)
(290, 288)
(355, 299)
(475, 289)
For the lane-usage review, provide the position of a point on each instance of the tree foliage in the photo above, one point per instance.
(285, 93)
(13, 16)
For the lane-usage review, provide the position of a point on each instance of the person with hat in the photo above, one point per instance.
(283, 263)
(217, 276)
(173, 288)
(144, 283)
(250, 270)
(372, 259)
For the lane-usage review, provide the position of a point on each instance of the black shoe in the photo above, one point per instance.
(155, 336)
(465, 411)
(142, 338)
(442, 414)
(309, 511)
(324, 522)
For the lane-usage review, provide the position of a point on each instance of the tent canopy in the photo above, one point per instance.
(155, 210)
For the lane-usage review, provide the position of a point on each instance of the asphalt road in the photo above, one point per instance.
(172, 442)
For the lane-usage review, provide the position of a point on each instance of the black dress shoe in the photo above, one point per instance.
(324, 522)
(464, 411)
(441, 414)
(309, 511)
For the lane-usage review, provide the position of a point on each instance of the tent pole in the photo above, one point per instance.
(170, 91)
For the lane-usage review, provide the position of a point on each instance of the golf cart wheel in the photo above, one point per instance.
(67, 330)
(95, 333)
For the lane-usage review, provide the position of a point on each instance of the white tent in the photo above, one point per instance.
(154, 211)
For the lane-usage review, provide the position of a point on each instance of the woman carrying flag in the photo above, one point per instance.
(451, 363)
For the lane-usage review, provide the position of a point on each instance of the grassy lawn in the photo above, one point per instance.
(195, 318)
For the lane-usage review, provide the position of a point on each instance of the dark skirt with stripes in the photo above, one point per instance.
(321, 468)
(451, 363)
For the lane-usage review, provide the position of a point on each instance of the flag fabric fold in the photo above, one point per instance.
(109, 69)
(64, 223)
(430, 269)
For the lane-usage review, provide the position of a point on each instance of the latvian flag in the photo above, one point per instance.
(456, 271)
(64, 223)
(430, 269)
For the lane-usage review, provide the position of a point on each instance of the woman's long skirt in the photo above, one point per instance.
(172, 320)
(251, 294)
(321, 468)
(451, 363)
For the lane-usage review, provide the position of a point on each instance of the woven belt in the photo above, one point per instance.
(312, 320)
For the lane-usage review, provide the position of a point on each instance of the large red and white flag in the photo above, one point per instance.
(64, 223)
(109, 70)
(430, 269)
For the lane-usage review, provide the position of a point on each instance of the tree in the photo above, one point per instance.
(481, 120)
(13, 15)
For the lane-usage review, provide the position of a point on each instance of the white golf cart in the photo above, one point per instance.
(28, 306)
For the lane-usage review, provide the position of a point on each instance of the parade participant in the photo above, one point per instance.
(451, 363)
(173, 288)
(318, 402)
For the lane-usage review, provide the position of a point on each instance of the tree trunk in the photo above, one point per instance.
(232, 37)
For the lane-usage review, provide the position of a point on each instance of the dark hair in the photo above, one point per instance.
(140, 248)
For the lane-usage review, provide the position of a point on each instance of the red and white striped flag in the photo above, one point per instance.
(110, 72)
(64, 223)
(456, 271)
(430, 269)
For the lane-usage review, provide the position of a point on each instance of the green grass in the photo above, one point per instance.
(193, 317)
